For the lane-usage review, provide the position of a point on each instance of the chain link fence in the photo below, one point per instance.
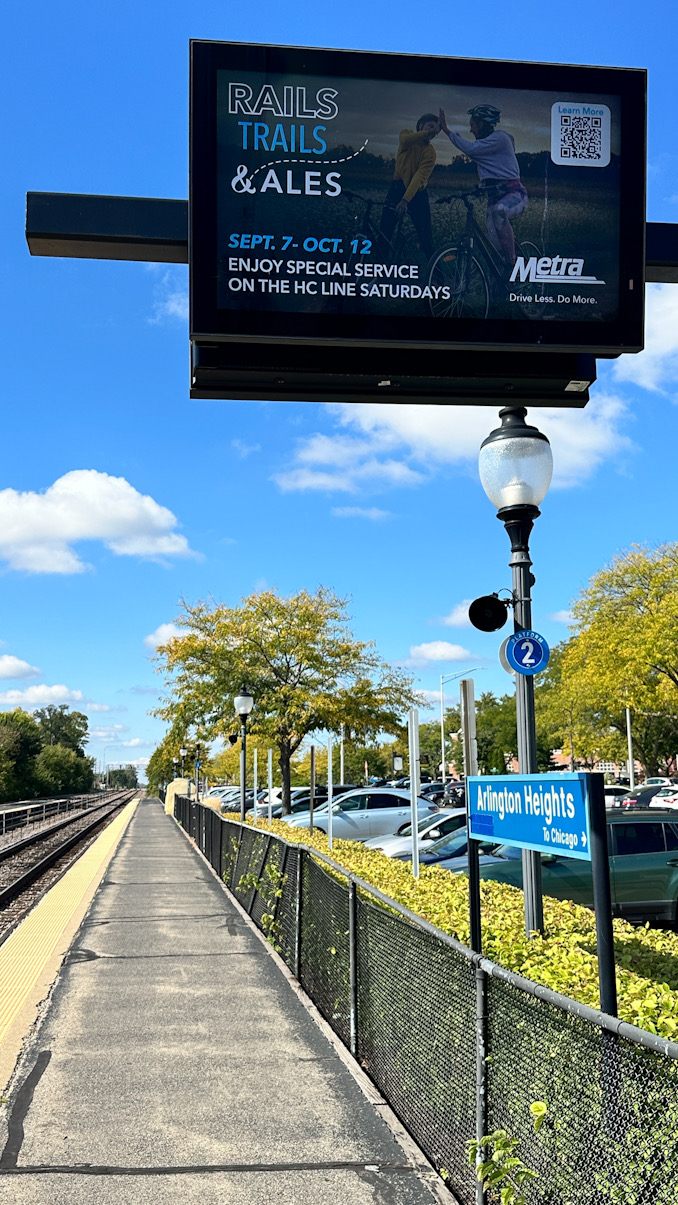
(457, 1045)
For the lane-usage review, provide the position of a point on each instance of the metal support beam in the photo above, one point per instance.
(155, 230)
(78, 226)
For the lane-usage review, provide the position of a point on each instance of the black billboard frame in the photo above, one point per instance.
(209, 324)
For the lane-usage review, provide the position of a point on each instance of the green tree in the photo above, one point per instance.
(306, 670)
(20, 744)
(497, 734)
(61, 771)
(60, 726)
(623, 653)
(123, 777)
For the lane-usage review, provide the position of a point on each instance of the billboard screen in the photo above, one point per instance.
(392, 199)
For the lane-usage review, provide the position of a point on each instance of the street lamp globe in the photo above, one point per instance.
(243, 703)
(183, 752)
(515, 462)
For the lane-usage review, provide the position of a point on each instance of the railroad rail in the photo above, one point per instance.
(30, 874)
(25, 812)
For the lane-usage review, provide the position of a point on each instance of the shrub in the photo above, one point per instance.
(564, 959)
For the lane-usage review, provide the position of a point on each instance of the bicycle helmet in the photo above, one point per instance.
(487, 113)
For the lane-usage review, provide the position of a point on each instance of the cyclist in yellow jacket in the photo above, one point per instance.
(408, 193)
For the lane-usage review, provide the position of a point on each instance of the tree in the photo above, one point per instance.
(497, 734)
(59, 726)
(123, 777)
(623, 653)
(298, 657)
(61, 771)
(20, 744)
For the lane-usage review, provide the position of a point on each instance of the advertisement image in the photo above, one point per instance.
(339, 195)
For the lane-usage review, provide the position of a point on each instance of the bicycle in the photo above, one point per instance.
(401, 248)
(471, 267)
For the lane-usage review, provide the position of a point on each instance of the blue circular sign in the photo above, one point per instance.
(527, 652)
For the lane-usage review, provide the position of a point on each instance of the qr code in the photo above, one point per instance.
(581, 137)
(580, 134)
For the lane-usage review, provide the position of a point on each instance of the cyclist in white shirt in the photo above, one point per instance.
(494, 153)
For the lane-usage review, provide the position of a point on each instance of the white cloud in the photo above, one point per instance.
(135, 742)
(14, 667)
(656, 367)
(171, 297)
(562, 617)
(163, 633)
(360, 512)
(401, 445)
(40, 696)
(438, 650)
(108, 734)
(458, 616)
(37, 531)
(244, 449)
(102, 707)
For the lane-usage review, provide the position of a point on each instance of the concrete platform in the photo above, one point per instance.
(175, 1063)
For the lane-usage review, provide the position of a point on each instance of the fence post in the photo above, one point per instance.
(481, 1068)
(353, 965)
(297, 929)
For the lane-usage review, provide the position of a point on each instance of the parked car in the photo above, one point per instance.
(430, 829)
(614, 792)
(638, 798)
(666, 797)
(658, 781)
(643, 847)
(452, 847)
(366, 813)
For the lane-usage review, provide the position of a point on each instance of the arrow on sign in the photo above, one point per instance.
(583, 840)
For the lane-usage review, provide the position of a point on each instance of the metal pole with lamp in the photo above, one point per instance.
(183, 753)
(175, 763)
(516, 467)
(243, 703)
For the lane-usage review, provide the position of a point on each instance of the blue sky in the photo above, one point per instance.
(119, 495)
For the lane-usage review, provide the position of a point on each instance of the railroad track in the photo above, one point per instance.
(22, 872)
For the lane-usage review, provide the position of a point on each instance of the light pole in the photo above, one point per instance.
(175, 763)
(443, 679)
(183, 752)
(515, 467)
(629, 740)
(243, 703)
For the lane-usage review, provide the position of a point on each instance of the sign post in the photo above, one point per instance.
(553, 814)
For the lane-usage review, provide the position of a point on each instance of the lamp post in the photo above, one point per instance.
(183, 752)
(443, 679)
(175, 763)
(243, 703)
(515, 467)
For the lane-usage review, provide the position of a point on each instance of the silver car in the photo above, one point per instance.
(367, 812)
(430, 828)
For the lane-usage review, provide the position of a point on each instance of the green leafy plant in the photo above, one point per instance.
(499, 1168)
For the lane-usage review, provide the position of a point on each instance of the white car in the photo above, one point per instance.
(666, 797)
(448, 821)
(365, 813)
(658, 781)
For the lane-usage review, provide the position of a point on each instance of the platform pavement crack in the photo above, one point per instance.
(22, 1103)
(200, 1169)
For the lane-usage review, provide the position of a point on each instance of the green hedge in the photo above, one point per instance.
(564, 959)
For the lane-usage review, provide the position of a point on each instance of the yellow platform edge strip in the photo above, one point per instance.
(25, 954)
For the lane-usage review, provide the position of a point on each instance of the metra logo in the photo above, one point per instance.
(546, 270)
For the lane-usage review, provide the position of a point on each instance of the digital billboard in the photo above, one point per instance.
(363, 198)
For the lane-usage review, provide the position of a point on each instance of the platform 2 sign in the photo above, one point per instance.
(544, 812)
(328, 200)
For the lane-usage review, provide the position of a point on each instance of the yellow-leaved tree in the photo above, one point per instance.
(623, 653)
(299, 659)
